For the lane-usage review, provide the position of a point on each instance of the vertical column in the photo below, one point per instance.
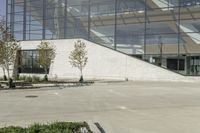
(168, 4)
(89, 19)
(115, 30)
(24, 21)
(31, 60)
(29, 22)
(6, 13)
(179, 21)
(12, 18)
(65, 20)
(44, 20)
(145, 30)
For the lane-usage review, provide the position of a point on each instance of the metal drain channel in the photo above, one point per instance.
(31, 96)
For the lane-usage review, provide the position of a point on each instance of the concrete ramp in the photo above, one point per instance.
(103, 63)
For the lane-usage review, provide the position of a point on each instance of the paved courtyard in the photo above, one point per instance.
(121, 107)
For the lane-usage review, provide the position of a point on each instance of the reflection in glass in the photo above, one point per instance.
(163, 32)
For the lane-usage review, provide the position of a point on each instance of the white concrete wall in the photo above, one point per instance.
(103, 63)
(1, 73)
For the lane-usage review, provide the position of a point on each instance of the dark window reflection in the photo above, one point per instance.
(29, 62)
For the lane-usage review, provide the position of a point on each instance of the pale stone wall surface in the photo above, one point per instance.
(103, 63)
(1, 72)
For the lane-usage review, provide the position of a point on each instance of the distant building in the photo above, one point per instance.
(162, 32)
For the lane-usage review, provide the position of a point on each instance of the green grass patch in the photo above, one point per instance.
(57, 127)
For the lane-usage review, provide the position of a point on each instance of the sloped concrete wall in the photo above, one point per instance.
(103, 63)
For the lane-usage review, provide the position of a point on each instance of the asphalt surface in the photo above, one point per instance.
(118, 107)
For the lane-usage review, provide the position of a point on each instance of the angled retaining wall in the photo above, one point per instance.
(103, 63)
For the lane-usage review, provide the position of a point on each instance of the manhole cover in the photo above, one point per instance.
(31, 96)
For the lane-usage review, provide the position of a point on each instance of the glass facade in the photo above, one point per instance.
(163, 32)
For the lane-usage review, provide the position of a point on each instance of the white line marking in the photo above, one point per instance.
(123, 108)
(57, 94)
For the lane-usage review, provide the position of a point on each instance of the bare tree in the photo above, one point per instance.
(2, 27)
(8, 49)
(78, 57)
(2, 62)
(46, 56)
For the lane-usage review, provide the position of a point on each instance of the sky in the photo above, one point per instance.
(3, 7)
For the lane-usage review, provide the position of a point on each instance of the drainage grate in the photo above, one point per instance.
(31, 96)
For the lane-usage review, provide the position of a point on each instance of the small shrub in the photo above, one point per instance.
(57, 127)
(12, 129)
(28, 79)
(22, 78)
(36, 79)
(45, 79)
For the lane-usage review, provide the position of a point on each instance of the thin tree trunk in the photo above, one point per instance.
(81, 72)
(4, 74)
(46, 72)
(81, 78)
(45, 77)
(8, 72)
(9, 79)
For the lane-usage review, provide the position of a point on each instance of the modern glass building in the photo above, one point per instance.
(163, 32)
